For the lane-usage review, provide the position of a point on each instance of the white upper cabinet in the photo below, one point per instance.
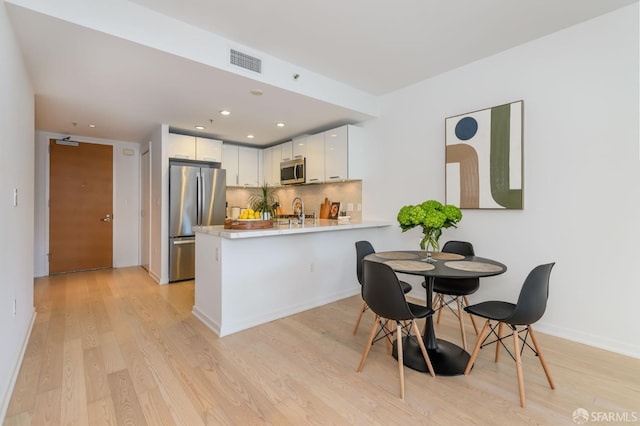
(286, 151)
(242, 165)
(314, 153)
(193, 148)
(275, 164)
(343, 149)
(230, 163)
(299, 147)
(181, 146)
(271, 165)
(248, 166)
(208, 149)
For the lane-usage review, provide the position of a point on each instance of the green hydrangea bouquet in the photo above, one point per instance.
(432, 216)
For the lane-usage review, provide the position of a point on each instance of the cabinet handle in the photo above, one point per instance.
(298, 156)
(185, 157)
(334, 177)
(313, 180)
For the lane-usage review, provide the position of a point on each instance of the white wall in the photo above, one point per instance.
(126, 201)
(16, 222)
(159, 229)
(581, 172)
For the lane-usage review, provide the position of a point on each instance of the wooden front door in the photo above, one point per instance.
(80, 207)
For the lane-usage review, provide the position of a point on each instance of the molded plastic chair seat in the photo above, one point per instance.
(498, 311)
(363, 249)
(531, 305)
(383, 294)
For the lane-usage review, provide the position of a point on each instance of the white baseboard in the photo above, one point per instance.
(16, 369)
(208, 322)
(622, 348)
(265, 317)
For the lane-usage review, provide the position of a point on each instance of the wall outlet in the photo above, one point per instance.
(14, 307)
(350, 207)
(359, 207)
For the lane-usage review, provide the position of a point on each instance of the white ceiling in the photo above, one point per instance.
(84, 76)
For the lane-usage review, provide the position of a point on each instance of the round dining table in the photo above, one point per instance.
(448, 359)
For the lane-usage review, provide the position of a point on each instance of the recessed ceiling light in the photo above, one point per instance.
(200, 127)
(256, 92)
(249, 136)
(224, 112)
(280, 124)
(93, 126)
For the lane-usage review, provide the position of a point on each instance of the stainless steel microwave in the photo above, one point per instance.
(293, 171)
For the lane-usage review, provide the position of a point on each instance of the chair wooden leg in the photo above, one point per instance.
(544, 364)
(516, 347)
(477, 348)
(441, 303)
(362, 309)
(461, 320)
(369, 342)
(498, 344)
(400, 357)
(473, 321)
(423, 349)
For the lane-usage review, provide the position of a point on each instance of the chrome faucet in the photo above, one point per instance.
(300, 212)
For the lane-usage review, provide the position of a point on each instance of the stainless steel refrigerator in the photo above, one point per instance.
(197, 196)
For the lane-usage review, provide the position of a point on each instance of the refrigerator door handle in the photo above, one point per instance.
(198, 199)
(201, 203)
(180, 242)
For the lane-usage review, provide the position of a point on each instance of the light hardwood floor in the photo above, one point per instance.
(113, 347)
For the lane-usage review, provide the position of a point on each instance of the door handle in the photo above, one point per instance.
(181, 242)
(106, 218)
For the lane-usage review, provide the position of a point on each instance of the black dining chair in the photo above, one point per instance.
(529, 308)
(455, 290)
(364, 248)
(384, 295)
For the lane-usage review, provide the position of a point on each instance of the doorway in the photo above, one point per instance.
(80, 206)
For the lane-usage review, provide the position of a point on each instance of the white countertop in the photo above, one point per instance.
(322, 225)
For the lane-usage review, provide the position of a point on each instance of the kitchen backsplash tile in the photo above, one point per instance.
(312, 195)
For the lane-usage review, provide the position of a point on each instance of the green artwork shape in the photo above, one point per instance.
(499, 159)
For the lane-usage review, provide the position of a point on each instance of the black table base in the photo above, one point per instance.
(447, 359)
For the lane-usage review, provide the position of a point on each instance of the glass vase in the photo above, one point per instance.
(429, 244)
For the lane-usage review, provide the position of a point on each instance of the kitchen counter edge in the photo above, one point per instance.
(323, 225)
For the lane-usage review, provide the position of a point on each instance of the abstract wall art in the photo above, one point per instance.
(484, 158)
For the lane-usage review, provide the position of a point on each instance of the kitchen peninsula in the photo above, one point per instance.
(249, 277)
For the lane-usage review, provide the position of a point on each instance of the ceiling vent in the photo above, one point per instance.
(245, 61)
